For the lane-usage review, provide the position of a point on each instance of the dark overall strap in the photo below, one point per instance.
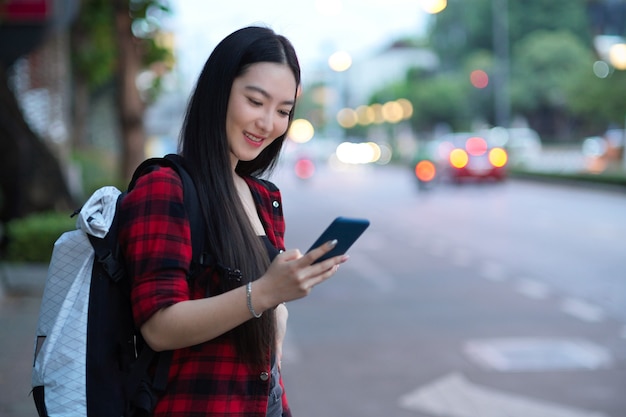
(140, 399)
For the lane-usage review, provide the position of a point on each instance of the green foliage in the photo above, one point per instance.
(93, 43)
(31, 239)
(94, 47)
(98, 168)
(546, 66)
(608, 178)
(526, 17)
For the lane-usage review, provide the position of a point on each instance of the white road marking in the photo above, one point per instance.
(493, 271)
(454, 396)
(437, 248)
(537, 354)
(461, 258)
(533, 289)
(583, 310)
(370, 271)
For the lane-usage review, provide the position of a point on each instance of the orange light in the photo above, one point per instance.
(498, 157)
(459, 158)
(476, 146)
(425, 171)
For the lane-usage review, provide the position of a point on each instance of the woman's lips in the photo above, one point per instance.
(253, 139)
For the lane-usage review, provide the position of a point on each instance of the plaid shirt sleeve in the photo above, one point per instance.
(156, 242)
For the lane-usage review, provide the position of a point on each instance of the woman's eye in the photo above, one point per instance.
(255, 102)
(284, 112)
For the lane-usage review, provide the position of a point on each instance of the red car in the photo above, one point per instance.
(460, 156)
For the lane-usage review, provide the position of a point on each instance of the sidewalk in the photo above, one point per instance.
(20, 294)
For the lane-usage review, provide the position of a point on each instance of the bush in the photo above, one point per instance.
(31, 239)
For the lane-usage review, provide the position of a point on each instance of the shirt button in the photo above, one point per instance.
(264, 376)
(275, 204)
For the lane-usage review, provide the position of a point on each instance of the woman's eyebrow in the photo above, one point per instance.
(266, 94)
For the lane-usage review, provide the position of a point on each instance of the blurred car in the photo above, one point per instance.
(457, 157)
(602, 152)
(523, 145)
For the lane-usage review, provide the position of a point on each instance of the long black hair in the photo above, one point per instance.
(231, 239)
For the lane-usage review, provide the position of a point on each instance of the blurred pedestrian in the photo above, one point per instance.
(227, 346)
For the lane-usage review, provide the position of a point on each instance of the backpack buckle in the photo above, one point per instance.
(111, 266)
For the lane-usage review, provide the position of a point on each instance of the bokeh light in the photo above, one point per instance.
(476, 146)
(498, 157)
(358, 153)
(392, 112)
(617, 56)
(301, 131)
(407, 108)
(365, 115)
(425, 171)
(347, 118)
(458, 158)
(304, 168)
(434, 6)
(340, 61)
(601, 69)
(479, 78)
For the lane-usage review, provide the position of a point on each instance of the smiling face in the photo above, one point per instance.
(259, 105)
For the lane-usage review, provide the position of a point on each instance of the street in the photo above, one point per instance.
(503, 300)
(479, 300)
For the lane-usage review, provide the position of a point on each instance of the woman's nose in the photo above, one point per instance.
(264, 122)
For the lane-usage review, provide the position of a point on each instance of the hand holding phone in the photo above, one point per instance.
(345, 230)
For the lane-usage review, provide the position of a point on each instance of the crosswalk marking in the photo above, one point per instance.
(454, 396)
(537, 354)
(583, 310)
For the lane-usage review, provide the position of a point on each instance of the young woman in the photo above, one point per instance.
(226, 346)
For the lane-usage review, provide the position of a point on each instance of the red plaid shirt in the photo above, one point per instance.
(208, 379)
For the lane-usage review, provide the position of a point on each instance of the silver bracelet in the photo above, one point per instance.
(249, 299)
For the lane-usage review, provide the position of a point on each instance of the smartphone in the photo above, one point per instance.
(346, 230)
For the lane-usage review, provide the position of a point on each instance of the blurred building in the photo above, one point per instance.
(34, 42)
(372, 73)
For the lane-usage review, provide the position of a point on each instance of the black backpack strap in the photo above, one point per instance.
(142, 392)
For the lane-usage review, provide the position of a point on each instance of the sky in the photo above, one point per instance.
(317, 28)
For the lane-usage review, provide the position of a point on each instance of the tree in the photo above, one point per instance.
(550, 62)
(114, 41)
(547, 68)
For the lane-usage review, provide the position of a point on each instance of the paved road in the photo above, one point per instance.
(502, 300)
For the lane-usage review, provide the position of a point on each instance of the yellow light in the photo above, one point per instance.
(392, 112)
(347, 118)
(458, 158)
(340, 61)
(617, 56)
(378, 113)
(498, 157)
(407, 108)
(301, 131)
(365, 115)
(434, 6)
